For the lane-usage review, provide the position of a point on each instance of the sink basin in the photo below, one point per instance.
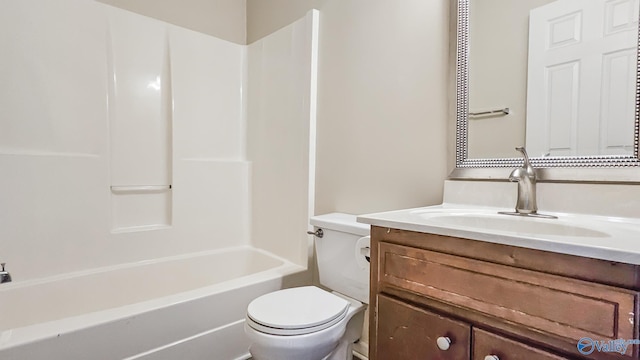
(520, 225)
(490, 221)
(599, 237)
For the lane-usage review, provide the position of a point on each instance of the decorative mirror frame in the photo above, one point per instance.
(613, 168)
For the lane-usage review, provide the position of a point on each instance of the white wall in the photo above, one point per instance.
(281, 137)
(59, 106)
(224, 19)
(382, 99)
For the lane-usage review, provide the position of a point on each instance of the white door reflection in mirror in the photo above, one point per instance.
(581, 78)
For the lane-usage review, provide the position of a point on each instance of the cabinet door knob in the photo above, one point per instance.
(443, 343)
(491, 357)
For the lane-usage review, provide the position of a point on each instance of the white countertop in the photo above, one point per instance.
(600, 237)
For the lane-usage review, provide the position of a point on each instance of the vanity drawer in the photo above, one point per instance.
(486, 344)
(408, 333)
(553, 304)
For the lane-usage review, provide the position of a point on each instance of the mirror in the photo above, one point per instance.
(557, 76)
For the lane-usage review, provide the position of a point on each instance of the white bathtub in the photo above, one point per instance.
(184, 307)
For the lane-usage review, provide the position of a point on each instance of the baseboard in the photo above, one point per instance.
(360, 350)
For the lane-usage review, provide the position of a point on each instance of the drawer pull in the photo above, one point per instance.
(491, 357)
(443, 343)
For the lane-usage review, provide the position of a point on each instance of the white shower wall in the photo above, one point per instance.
(282, 82)
(89, 106)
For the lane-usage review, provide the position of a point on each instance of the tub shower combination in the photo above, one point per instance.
(141, 227)
(190, 304)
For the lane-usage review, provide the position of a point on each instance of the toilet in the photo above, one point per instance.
(310, 323)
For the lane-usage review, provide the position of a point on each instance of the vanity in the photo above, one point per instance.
(462, 280)
(445, 285)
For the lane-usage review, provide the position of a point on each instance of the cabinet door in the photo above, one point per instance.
(494, 347)
(566, 308)
(406, 332)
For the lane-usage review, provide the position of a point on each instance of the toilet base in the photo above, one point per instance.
(311, 346)
(344, 350)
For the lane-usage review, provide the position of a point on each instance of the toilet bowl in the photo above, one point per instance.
(309, 323)
(312, 327)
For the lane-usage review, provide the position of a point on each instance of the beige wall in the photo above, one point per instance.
(498, 57)
(225, 19)
(382, 99)
(267, 16)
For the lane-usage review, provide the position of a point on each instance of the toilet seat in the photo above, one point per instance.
(296, 311)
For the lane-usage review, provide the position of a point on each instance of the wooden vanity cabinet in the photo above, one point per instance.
(439, 297)
(487, 344)
(408, 332)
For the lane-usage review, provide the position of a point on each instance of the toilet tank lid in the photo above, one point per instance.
(340, 222)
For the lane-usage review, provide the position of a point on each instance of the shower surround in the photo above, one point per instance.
(124, 140)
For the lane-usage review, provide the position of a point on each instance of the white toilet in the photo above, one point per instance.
(309, 323)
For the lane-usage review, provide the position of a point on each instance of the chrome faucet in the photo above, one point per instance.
(4, 275)
(525, 176)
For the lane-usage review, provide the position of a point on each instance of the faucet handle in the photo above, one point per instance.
(524, 153)
(526, 164)
(4, 275)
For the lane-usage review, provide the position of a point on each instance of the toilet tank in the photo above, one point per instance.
(341, 254)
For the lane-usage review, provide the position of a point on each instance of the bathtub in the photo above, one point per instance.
(183, 307)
